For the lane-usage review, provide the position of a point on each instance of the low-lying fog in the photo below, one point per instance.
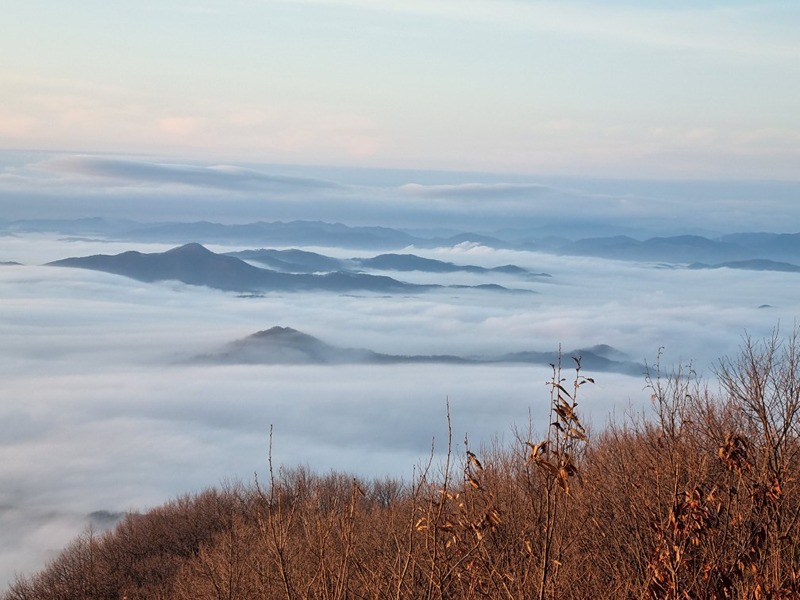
(99, 409)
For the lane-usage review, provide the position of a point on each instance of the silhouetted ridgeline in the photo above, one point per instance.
(303, 261)
(285, 345)
(779, 247)
(196, 265)
(698, 499)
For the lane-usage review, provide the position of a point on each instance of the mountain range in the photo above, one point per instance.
(302, 261)
(285, 345)
(691, 248)
(196, 265)
(755, 264)
(680, 249)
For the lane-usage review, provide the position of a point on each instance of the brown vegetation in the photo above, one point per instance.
(701, 499)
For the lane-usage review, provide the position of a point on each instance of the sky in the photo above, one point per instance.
(619, 89)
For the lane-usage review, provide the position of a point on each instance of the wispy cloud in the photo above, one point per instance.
(476, 190)
(37, 185)
(214, 176)
(712, 28)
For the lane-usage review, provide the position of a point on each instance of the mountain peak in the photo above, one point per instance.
(192, 248)
(282, 335)
(276, 331)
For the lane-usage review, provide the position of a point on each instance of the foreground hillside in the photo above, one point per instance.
(698, 499)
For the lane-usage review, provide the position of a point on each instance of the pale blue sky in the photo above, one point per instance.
(613, 89)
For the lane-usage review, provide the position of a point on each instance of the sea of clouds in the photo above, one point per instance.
(101, 408)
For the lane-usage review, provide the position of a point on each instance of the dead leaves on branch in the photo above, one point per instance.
(745, 511)
(474, 460)
(733, 453)
(555, 455)
(556, 466)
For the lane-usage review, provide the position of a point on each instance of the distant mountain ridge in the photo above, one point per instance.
(411, 262)
(196, 265)
(676, 249)
(291, 261)
(279, 233)
(285, 345)
(302, 261)
(755, 264)
(683, 249)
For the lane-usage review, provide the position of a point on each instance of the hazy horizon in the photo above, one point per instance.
(45, 185)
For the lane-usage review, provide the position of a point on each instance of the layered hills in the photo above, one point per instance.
(755, 264)
(196, 265)
(302, 261)
(684, 249)
(285, 345)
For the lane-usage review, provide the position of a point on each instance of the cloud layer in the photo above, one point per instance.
(102, 412)
(42, 185)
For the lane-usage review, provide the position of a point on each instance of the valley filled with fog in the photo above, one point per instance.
(105, 408)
